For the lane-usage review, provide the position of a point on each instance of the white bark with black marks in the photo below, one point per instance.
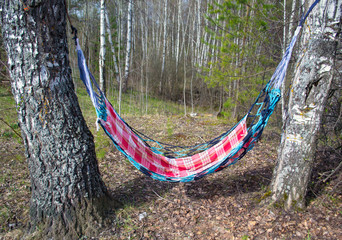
(102, 58)
(164, 48)
(128, 45)
(313, 77)
(65, 180)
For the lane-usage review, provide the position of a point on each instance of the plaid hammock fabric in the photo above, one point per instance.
(171, 168)
(222, 152)
(225, 152)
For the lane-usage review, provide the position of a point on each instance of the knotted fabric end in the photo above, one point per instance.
(97, 124)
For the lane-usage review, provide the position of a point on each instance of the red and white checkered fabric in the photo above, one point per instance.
(169, 167)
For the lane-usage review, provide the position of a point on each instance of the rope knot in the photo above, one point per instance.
(74, 32)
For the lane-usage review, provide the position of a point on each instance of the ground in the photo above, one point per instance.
(224, 205)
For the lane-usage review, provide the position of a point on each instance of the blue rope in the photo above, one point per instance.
(308, 12)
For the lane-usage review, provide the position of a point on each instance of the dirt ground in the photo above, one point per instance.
(224, 205)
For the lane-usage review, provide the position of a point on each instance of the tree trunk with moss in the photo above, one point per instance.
(68, 194)
(320, 44)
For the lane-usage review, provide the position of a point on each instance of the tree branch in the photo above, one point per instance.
(333, 172)
(11, 127)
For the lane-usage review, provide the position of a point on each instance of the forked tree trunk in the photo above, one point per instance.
(68, 195)
(311, 85)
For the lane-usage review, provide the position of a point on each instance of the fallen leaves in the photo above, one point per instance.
(220, 206)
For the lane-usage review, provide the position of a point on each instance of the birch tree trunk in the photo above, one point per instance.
(179, 8)
(86, 32)
(128, 46)
(291, 20)
(313, 77)
(284, 49)
(198, 32)
(102, 57)
(164, 48)
(116, 67)
(143, 61)
(184, 85)
(68, 194)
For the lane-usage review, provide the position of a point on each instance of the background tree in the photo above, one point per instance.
(102, 57)
(193, 40)
(242, 58)
(128, 46)
(68, 195)
(320, 49)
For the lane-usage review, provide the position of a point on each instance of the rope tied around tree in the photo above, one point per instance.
(73, 29)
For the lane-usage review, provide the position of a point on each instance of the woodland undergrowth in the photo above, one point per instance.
(225, 205)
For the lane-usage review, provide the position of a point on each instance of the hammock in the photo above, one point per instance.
(183, 164)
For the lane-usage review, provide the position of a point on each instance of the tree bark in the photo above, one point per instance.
(179, 17)
(313, 77)
(128, 46)
(164, 48)
(116, 67)
(68, 194)
(283, 51)
(102, 57)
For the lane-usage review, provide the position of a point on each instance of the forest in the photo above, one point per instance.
(198, 53)
(177, 74)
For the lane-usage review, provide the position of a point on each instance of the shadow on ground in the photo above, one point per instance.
(229, 185)
(142, 190)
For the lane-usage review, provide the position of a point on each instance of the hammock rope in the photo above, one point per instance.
(166, 162)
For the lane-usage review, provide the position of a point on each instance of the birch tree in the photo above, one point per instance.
(284, 49)
(102, 57)
(164, 47)
(128, 45)
(313, 76)
(112, 47)
(68, 194)
(198, 32)
(179, 17)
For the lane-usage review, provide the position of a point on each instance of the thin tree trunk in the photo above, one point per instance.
(121, 82)
(191, 92)
(198, 32)
(102, 57)
(119, 58)
(311, 85)
(86, 32)
(179, 8)
(291, 21)
(143, 61)
(184, 84)
(164, 48)
(116, 67)
(68, 194)
(128, 46)
(284, 27)
(146, 65)
(284, 49)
